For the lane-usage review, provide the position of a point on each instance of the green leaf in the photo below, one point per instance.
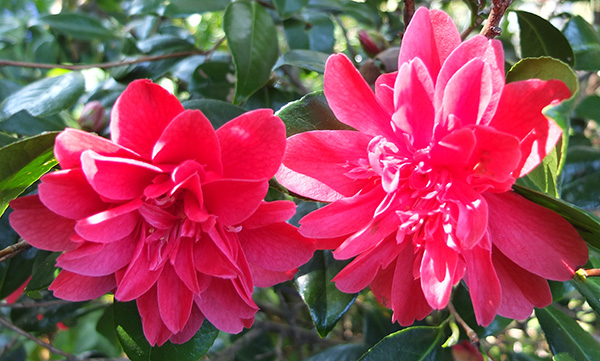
(217, 111)
(14, 271)
(417, 343)
(344, 352)
(25, 124)
(315, 32)
(131, 336)
(590, 290)
(45, 97)
(586, 224)
(252, 39)
(589, 108)
(581, 176)
(325, 302)
(539, 38)
(462, 301)
(287, 8)
(585, 41)
(183, 8)
(305, 59)
(545, 68)
(77, 25)
(562, 357)
(212, 80)
(310, 112)
(22, 163)
(43, 271)
(565, 335)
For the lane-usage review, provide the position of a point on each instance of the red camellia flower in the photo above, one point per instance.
(421, 192)
(169, 213)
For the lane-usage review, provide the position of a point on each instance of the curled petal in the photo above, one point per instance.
(269, 213)
(155, 330)
(97, 259)
(174, 300)
(483, 283)
(110, 225)
(233, 200)
(75, 287)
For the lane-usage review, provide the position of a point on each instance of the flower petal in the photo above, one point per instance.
(438, 287)
(306, 186)
(117, 178)
(184, 264)
(328, 156)
(99, 262)
(155, 330)
(68, 193)
(110, 225)
(483, 283)
(233, 200)
(252, 145)
(75, 287)
(41, 227)
(384, 90)
(269, 213)
(139, 277)
(262, 277)
(534, 237)
(174, 299)
(352, 100)
(191, 327)
(472, 214)
(141, 114)
(190, 136)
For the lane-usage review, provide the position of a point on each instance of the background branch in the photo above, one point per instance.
(492, 28)
(13, 250)
(45, 345)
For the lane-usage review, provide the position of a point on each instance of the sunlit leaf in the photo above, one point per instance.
(539, 37)
(585, 41)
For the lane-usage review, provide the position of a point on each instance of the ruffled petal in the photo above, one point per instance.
(41, 227)
(75, 287)
(384, 91)
(306, 186)
(534, 237)
(189, 136)
(174, 300)
(263, 277)
(437, 272)
(141, 114)
(472, 214)
(483, 283)
(110, 225)
(252, 145)
(184, 264)
(269, 213)
(328, 156)
(155, 330)
(191, 327)
(352, 100)
(233, 200)
(139, 277)
(117, 178)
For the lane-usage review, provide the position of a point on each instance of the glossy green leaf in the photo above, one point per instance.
(182, 8)
(217, 111)
(565, 335)
(23, 123)
(252, 39)
(131, 336)
(585, 41)
(545, 68)
(410, 344)
(581, 177)
(14, 271)
(22, 163)
(77, 25)
(311, 112)
(563, 357)
(287, 8)
(540, 38)
(314, 32)
(590, 290)
(305, 59)
(325, 302)
(42, 273)
(586, 224)
(211, 79)
(344, 352)
(45, 97)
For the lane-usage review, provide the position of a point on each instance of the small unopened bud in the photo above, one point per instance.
(93, 117)
(372, 42)
(465, 351)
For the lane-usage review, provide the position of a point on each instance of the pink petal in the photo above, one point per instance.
(155, 330)
(431, 36)
(328, 156)
(139, 277)
(276, 247)
(454, 150)
(436, 285)
(488, 51)
(141, 114)
(189, 136)
(41, 227)
(58, 187)
(233, 200)
(496, 155)
(537, 134)
(117, 178)
(342, 217)
(71, 143)
(174, 300)
(211, 260)
(99, 262)
(413, 99)
(483, 283)
(521, 290)
(466, 95)
(306, 186)
(191, 327)
(184, 264)
(74, 287)
(384, 91)
(224, 308)
(352, 100)
(263, 277)
(269, 213)
(252, 145)
(110, 225)
(534, 237)
(472, 214)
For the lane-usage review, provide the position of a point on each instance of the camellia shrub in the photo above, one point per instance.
(299, 180)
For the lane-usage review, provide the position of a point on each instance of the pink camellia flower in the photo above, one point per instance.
(169, 213)
(421, 192)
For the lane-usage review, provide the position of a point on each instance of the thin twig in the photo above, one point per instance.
(13, 250)
(45, 345)
(593, 272)
(470, 332)
(114, 64)
(34, 304)
(492, 28)
(409, 11)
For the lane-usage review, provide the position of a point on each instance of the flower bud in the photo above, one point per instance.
(372, 42)
(93, 117)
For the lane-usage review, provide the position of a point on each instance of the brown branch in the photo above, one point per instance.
(13, 250)
(470, 332)
(409, 11)
(492, 28)
(114, 64)
(45, 345)
(34, 304)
